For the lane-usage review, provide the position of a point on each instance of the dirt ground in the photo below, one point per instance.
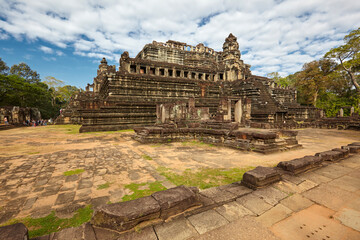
(33, 161)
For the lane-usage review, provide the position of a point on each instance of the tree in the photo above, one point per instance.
(282, 81)
(24, 71)
(4, 69)
(348, 56)
(314, 78)
(54, 85)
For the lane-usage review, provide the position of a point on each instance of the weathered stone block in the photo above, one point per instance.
(330, 155)
(260, 177)
(300, 165)
(344, 150)
(126, 215)
(175, 200)
(354, 148)
(16, 231)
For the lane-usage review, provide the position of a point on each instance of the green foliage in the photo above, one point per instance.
(204, 177)
(147, 189)
(24, 71)
(73, 172)
(51, 223)
(348, 56)
(23, 88)
(4, 69)
(282, 81)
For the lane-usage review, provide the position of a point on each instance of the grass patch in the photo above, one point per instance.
(204, 177)
(138, 193)
(51, 223)
(31, 153)
(108, 132)
(103, 186)
(70, 129)
(147, 157)
(73, 172)
(197, 143)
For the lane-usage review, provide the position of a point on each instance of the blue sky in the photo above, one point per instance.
(67, 39)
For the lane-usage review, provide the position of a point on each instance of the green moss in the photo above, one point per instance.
(138, 193)
(204, 177)
(103, 186)
(51, 223)
(147, 157)
(73, 172)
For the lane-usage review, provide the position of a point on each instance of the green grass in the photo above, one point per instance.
(31, 153)
(51, 223)
(73, 172)
(107, 132)
(74, 129)
(103, 186)
(137, 193)
(204, 177)
(147, 157)
(197, 143)
(70, 129)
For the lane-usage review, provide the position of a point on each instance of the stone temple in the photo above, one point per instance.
(219, 84)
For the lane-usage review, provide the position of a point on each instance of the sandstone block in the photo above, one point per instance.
(16, 231)
(175, 200)
(300, 165)
(329, 155)
(344, 150)
(126, 215)
(260, 177)
(354, 148)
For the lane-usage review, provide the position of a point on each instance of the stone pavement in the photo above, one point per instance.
(322, 204)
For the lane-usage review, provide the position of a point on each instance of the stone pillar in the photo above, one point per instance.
(163, 113)
(321, 113)
(341, 112)
(238, 111)
(352, 110)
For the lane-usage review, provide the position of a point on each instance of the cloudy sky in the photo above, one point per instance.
(66, 39)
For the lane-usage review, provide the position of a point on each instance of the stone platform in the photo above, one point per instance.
(256, 140)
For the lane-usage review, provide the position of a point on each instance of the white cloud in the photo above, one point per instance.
(46, 49)
(274, 35)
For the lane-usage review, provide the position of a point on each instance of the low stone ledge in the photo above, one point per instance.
(330, 155)
(354, 148)
(300, 165)
(354, 144)
(345, 151)
(16, 231)
(126, 215)
(175, 200)
(260, 177)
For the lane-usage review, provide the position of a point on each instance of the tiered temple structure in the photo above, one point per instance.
(164, 73)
